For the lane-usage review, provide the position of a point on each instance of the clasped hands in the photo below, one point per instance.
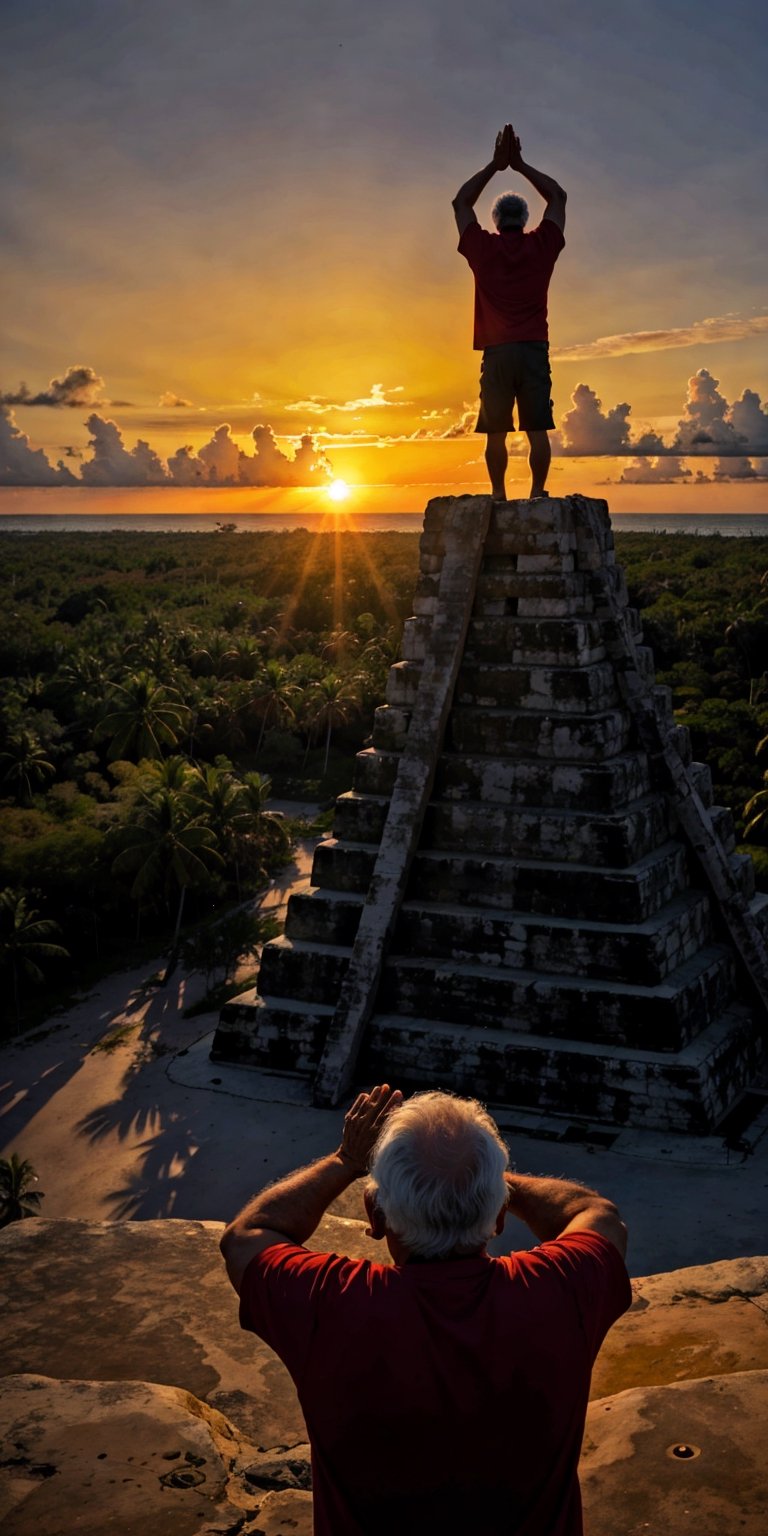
(363, 1123)
(507, 151)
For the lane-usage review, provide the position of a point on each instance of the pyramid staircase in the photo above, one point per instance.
(529, 895)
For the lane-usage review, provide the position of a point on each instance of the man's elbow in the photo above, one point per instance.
(227, 1239)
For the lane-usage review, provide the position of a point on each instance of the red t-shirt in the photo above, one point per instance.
(512, 272)
(448, 1396)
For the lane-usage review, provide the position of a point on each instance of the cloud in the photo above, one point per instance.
(719, 328)
(706, 425)
(79, 387)
(750, 421)
(175, 402)
(320, 405)
(464, 427)
(710, 426)
(113, 464)
(587, 429)
(665, 471)
(736, 469)
(221, 462)
(22, 465)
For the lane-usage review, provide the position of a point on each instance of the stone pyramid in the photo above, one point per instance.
(508, 906)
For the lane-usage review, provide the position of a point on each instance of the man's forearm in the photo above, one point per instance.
(545, 185)
(470, 192)
(546, 1206)
(296, 1205)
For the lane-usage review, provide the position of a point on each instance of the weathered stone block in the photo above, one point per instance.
(549, 642)
(642, 954)
(664, 1017)
(554, 889)
(519, 733)
(310, 972)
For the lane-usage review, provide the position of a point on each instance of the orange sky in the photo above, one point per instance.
(242, 215)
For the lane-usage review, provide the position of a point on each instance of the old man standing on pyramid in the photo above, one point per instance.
(512, 270)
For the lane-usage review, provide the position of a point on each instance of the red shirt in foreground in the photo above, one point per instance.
(512, 272)
(446, 1397)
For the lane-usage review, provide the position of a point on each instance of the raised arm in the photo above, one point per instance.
(290, 1211)
(551, 191)
(466, 197)
(552, 1207)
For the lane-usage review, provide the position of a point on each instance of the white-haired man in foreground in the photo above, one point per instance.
(445, 1392)
(512, 270)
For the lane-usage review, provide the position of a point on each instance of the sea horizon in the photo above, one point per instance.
(325, 520)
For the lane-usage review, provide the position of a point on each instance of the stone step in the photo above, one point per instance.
(529, 588)
(509, 781)
(661, 1017)
(506, 592)
(615, 838)
(640, 953)
(643, 952)
(544, 642)
(526, 733)
(277, 1033)
(502, 685)
(686, 1091)
(305, 972)
(628, 895)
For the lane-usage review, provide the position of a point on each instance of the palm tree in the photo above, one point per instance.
(148, 718)
(224, 806)
(212, 659)
(269, 826)
(167, 773)
(330, 702)
(339, 642)
(166, 848)
(244, 657)
(81, 681)
(25, 939)
(25, 763)
(17, 1199)
(276, 693)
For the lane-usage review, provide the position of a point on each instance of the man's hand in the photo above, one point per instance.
(502, 148)
(362, 1124)
(515, 153)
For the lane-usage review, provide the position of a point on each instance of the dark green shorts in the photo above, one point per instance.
(516, 371)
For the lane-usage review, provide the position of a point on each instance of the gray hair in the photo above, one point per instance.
(510, 211)
(437, 1174)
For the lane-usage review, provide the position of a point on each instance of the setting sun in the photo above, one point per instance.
(338, 490)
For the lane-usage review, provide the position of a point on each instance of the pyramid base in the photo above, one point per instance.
(686, 1091)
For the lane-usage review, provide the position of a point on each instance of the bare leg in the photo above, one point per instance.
(539, 459)
(496, 459)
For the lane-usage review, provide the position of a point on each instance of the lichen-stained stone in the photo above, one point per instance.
(93, 1457)
(149, 1301)
(706, 1320)
(686, 1366)
(680, 1459)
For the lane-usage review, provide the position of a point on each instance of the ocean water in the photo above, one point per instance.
(729, 525)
